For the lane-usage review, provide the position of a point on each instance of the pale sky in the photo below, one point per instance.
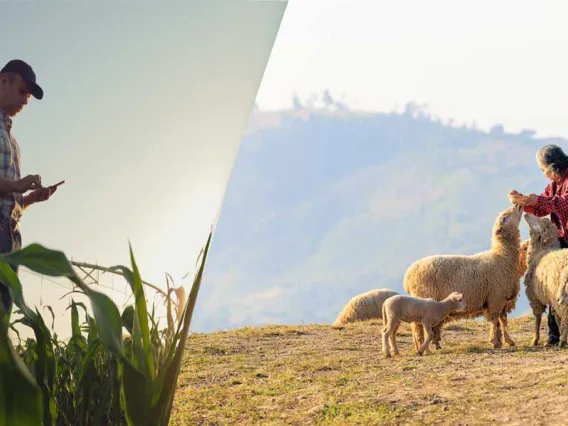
(485, 61)
(144, 107)
(145, 102)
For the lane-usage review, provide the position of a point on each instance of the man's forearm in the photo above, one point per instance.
(7, 186)
(29, 199)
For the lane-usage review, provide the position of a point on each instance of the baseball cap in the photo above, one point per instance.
(20, 67)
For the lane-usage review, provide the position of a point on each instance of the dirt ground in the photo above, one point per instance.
(306, 375)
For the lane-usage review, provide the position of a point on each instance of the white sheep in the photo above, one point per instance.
(365, 306)
(546, 279)
(427, 312)
(512, 301)
(489, 280)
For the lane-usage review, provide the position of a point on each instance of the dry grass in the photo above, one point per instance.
(313, 374)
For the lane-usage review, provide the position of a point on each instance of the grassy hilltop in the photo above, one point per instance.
(313, 374)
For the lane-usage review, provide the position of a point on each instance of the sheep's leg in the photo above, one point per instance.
(386, 351)
(386, 333)
(538, 310)
(505, 329)
(394, 330)
(537, 321)
(495, 333)
(417, 334)
(563, 330)
(499, 329)
(429, 336)
(492, 314)
(437, 330)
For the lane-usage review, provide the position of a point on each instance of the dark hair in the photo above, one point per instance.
(551, 157)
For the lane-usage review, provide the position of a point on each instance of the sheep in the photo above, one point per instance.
(489, 280)
(364, 306)
(546, 279)
(428, 312)
(512, 302)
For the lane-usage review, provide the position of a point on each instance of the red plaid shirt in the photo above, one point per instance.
(554, 201)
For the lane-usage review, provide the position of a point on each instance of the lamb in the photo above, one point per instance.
(427, 312)
(364, 306)
(489, 280)
(546, 280)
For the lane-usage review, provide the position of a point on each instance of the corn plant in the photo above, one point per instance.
(103, 378)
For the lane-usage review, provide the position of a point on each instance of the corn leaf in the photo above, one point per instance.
(135, 395)
(106, 315)
(168, 382)
(146, 363)
(41, 260)
(45, 367)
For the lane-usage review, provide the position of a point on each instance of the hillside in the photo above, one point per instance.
(312, 374)
(324, 204)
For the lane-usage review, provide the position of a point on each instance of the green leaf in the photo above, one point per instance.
(9, 278)
(135, 395)
(106, 315)
(41, 260)
(135, 281)
(20, 395)
(160, 415)
(45, 367)
(128, 318)
(93, 335)
(52, 316)
(75, 328)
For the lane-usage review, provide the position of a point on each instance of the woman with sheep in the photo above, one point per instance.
(553, 162)
(489, 281)
(546, 280)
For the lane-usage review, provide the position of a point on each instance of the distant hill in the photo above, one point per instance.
(326, 203)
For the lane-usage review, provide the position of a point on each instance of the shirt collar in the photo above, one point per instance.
(563, 177)
(6, 119)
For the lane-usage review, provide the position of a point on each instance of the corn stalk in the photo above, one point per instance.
(105, 378)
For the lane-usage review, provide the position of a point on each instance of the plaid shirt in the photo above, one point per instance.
(554, 201)
(11, 204)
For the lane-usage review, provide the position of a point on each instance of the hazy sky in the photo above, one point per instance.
(486, 61)
(145, 101)
(144, 107)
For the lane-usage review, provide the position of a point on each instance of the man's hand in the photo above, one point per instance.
(39, 195)
(27, 183)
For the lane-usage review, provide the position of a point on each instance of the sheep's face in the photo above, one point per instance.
(458, 300)
(508, 221)
(542, 231)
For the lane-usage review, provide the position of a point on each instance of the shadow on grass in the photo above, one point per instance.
(482, 349)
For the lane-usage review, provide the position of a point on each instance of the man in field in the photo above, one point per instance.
(17, 85)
